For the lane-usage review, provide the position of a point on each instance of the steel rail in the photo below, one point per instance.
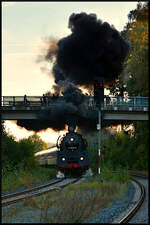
(37, 194)
(135, 209)
(29, 190)
(138, 174)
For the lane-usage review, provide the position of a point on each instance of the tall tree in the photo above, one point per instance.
(136, 31)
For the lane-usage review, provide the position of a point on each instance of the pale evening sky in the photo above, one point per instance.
(24, 26)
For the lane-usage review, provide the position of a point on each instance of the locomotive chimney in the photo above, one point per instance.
(71, 128)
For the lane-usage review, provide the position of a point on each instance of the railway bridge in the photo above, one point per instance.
(114, 108)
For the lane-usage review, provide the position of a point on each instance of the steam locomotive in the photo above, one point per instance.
(72, 154)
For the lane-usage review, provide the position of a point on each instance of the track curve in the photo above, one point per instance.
(137, 206)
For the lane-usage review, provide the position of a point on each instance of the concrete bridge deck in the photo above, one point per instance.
(130, 108)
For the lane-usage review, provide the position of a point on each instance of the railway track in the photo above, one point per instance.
(139, 203)
(41, 189)
(12, 198)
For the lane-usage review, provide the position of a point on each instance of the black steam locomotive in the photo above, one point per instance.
(72, 154)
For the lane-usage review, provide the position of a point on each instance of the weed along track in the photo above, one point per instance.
(131, 208)
(34, 192)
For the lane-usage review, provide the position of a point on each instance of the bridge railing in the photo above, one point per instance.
(20, 101)
(127, 101)
(109, 102)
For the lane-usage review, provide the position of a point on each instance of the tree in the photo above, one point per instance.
(39, 145)
(9, 149)
(26, 152)
(3, 128)
(14, 153)
(136, 31)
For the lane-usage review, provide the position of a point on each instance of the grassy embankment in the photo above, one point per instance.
(77, 202)
(14, 178)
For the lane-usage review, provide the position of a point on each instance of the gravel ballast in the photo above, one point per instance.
(109, 214)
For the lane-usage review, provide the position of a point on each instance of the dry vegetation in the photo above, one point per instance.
(72, 205)
(20, 178)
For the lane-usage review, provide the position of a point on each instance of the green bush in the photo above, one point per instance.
(14, 152)
(93, 157)
(14, 177)
(125, 151)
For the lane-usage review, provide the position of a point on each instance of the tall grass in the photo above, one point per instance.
(121, 175)
(18, 177)
(77, 202)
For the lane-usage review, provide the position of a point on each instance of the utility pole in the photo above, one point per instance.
(99, 141)
(99, 99)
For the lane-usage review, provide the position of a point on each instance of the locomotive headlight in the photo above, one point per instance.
(71, 139)
(63, 159)
(81, 158)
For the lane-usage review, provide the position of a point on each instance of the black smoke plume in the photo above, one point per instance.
(93, 49)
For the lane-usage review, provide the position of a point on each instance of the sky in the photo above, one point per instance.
(25, 27)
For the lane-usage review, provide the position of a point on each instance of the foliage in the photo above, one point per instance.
(14, 177)
(19, 167)
(126, 151)
(3, 128)
(134, 78)
(14, 152)
(121, 149)
(136, 31)
(93, 157)
(141, 137)
(10, 149)
(27, 152)
(39, 145)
